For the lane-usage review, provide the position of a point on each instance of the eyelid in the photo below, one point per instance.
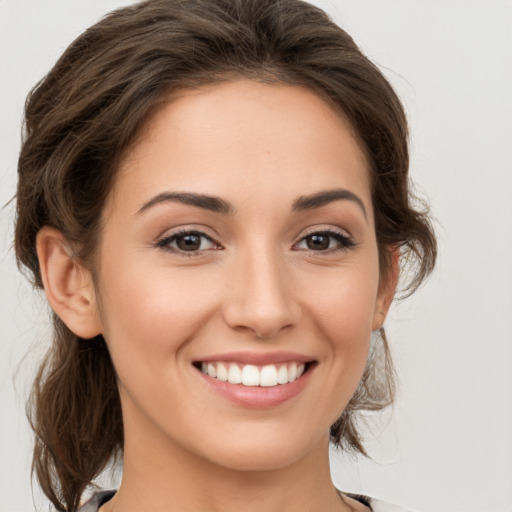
(164, 240)
(345, 239)
(185, 228)
(311, 230)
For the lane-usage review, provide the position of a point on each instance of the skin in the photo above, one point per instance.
(254, 285)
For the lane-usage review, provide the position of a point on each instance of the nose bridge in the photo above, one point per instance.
(260, 297)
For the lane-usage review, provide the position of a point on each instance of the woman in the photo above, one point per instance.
(214, 196)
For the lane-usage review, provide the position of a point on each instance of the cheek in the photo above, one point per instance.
(345, 305)
(343, 309)
(150, 308)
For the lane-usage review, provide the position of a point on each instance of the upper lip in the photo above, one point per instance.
(257, 358)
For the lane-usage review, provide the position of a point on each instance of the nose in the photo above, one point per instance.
(260, 298)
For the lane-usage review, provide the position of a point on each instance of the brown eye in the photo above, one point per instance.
(188, 242)
(318, 242)
(325, 241)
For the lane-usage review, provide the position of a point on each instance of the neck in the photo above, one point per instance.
(174, 479)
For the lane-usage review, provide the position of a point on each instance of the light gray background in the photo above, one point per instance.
(448, 446)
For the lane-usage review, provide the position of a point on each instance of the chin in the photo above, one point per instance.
(264, 451)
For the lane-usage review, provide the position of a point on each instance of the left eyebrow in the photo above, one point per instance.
(212, 203)
(324, 197)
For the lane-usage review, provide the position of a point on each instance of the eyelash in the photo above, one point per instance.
(344, 242)
(165, 243)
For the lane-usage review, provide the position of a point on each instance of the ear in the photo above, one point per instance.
(68, 285)
(387, 287)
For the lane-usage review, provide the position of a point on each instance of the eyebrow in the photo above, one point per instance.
(212, 203)
(324, 197)
(218, 205)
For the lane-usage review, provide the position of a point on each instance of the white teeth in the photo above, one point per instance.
(212, 371)
(234, 374)
(222, 372)
(251, 375)
(292, 372)
(268, 376)
(282, 375)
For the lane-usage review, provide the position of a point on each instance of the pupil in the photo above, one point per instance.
(189, 242)
(318, 242)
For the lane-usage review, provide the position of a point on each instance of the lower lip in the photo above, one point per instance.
(258, 396)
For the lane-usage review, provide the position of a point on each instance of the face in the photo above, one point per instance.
(238, 275)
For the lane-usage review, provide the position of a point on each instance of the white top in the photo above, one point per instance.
(382, 506)
(376, 505)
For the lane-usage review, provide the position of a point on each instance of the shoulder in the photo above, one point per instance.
(99, 498)
(377, 505)
(96, 501)
(383, 506)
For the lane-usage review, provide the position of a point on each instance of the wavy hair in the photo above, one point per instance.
(84, 115)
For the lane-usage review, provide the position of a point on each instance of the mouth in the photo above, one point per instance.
(253, 375)
(255, 379)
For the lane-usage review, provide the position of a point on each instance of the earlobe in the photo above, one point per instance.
(387, 289)
(67, 284)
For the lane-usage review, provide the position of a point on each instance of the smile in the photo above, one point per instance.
(251, 375)
(256, 380)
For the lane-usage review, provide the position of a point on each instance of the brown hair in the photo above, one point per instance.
(84, 115)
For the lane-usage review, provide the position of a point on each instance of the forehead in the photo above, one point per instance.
(244, 136)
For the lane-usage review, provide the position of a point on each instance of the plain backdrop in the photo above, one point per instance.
(448, 444)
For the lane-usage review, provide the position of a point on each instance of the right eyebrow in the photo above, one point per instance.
(324, 197)
(212, 203)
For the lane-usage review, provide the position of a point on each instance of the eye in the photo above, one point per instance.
(188, 241)
(325, 241)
